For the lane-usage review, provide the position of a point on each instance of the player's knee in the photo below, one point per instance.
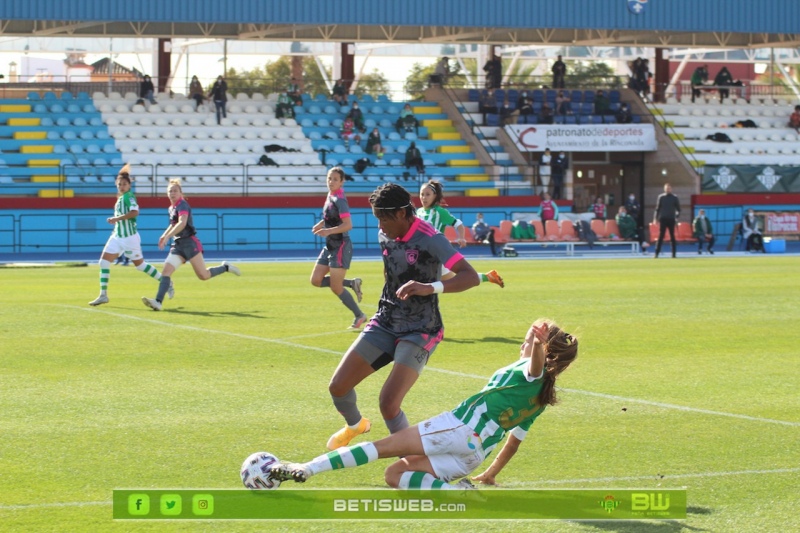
(337, 387)
(392, 475)
(315, 281)
(204, 275)
(390, 407)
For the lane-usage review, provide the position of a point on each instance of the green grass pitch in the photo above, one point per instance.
(687, 377)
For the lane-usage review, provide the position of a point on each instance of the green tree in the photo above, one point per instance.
(372, 83)
(276, 76)
(417, 80)
(590, 75)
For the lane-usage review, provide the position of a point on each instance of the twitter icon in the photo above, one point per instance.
(171, 504)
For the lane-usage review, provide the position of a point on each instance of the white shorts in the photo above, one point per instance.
(452, 447)
(130, 246)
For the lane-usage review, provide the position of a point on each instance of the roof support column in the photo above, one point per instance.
(661, 75)
(347, 63)
(164, 64)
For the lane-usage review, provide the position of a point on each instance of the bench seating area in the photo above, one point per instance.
(49, 143)
(771, 142)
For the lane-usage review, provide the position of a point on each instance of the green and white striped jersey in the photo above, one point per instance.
(438, 217)
(125, 204)
(508, 401)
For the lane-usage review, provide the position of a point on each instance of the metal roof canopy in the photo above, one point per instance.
(661, 23)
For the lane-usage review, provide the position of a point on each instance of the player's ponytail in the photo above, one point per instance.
(560, 351)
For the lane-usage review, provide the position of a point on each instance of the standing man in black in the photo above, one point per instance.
(559, 71)
(558, 165)
(668, 208)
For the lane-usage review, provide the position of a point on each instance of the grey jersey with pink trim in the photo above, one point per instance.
(335, 209)
(417, 256)
(174, 217)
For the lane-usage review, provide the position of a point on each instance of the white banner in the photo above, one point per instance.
(584, 138)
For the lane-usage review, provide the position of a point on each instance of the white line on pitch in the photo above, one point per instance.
(659, 477)
(432, 369)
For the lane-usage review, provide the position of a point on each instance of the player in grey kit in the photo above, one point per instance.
(186, 247)
(334, 260)
(408, 326)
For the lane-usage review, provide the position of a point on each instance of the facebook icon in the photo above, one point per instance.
(138, 504)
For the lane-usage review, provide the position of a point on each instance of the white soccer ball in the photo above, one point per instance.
(255, 471)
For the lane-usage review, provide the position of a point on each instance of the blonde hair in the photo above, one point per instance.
(175, 181)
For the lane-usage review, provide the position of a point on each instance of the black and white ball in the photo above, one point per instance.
(255, 471)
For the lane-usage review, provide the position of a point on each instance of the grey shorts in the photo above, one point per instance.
(338, 257)
(186, 247)
(378, 346)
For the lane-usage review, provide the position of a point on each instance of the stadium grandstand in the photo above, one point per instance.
(724, 148)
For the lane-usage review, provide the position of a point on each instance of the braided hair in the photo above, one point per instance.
(390, 198)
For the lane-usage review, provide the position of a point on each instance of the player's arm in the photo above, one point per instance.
(488, 477)
(130, 214)
(461, 231)
(465, 278)
(171, 231)
(319, 225)
(344, 227)
(534, 348)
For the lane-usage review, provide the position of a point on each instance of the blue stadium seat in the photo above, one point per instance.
(492, 119)
(33, 95)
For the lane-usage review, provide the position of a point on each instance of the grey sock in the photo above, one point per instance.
(217, 270)
(346, 405)
(397, 423)
(350, 303)
(163, 287)
(347, 283)
(326, 282)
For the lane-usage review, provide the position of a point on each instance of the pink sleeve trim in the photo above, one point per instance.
(453, 260)
(344, 215)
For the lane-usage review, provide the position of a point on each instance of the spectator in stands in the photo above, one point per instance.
(545, 168)
(407, 121)
(488, 104)
(598, 208)
(794, 119)
(634, 209)
(494, 72)
(526, 109)
(374, 143)
(559, 71)
(602, 105)
(294, 93)
(196, 91)
(643, 76)
(441, 72)
(482, 232)
(358, 117)
(633, 79)
(751, 232)
(219, 94)
(414, 158)
(284, 108)
(146, 90)
(558, 165)
(624, 115)
(349, 132)
(546, 114)
(124, 240)
(339, 93)
(628, 229)
(701, 227)
(523, 96)
(563, 104)
(505, 114)
(668, 208)
(548, 209)
(723, 79)
(698, 79)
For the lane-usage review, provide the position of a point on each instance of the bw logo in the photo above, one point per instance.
(637, 6)
(653, 501)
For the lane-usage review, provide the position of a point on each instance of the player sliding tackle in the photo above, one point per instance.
(453, 444)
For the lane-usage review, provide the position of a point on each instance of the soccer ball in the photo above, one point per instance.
(255, 471)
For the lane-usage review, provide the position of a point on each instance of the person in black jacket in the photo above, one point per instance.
(147, 90)
(219, 95)
(668, 208)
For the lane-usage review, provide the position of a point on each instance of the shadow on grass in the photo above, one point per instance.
(213, 314)
(664, 526)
